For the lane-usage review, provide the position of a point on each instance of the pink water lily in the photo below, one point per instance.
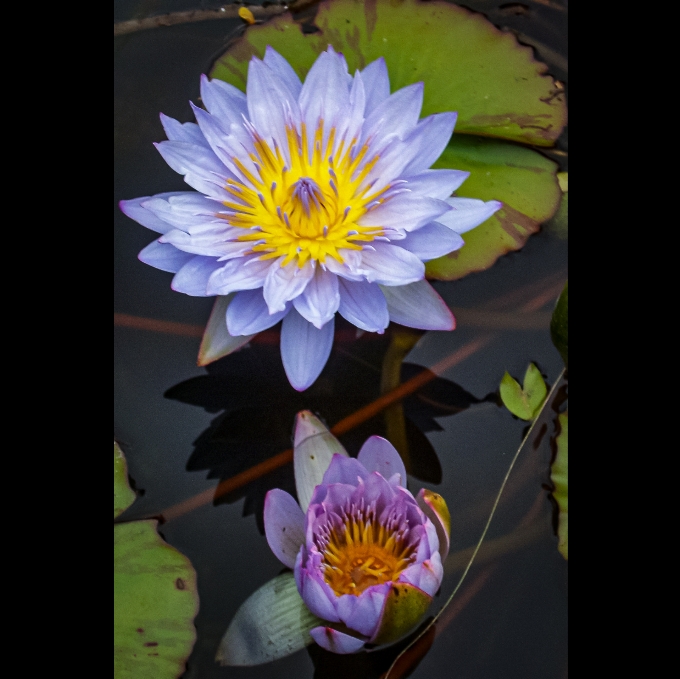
(367, 555)
(310, 199)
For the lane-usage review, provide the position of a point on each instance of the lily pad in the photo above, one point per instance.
(559, 325)
(558, 225)
(522, 179)
(560, 478)
(272, 623)
(467, 64)
(525, 401)
(155, 596)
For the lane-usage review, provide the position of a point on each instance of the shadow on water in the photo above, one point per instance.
(257, 407)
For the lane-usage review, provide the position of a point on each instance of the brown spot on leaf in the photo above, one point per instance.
(151, 643)
(140, 630)
(509, 219)
(179, 583)
(371, 12)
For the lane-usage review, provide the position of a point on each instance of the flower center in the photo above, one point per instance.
(361, 553)
(305, 206)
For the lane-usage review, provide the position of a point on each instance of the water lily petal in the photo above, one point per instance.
(379, 455)
(314, 448)
(426, 575)
(391, 265)
(395, 116)
(336, 642)
(245, 273)
(224, 101)
(363, 305)
(284, 525)
(192, 278)
(304, 349)
(186, 132)
(466, 213)
(185, 158)
(283, 70)
(249, 314)
(436, 183)
(320, 299)
(344, 469)
(318, 596)
(431, 241)
(377, 83)
(284, 283)
(362, 613)
(164, 256)
(405, 211)
(217, 341)
(434, 507)
(418, 306)
(430, 138)
(135, 209)
(209, 241)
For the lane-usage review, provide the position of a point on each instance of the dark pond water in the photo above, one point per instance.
(183, 427)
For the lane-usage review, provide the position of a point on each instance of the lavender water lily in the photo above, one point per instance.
(367, 555)
(310, 199)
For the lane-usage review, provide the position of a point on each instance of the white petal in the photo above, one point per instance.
(405, 211)
(190, 159)
(466, 213)
(248, 313)
(436, 183)
(391, 265)
(284, 283)
(283, 70)
(211, 241)
(135, 209)
(377, 83)
(192, 278)
(245, 273)
(432, 241)
(395, 116)
(187, 132)
(364, 305)
(164, 256)
(224, 101)
(418, 306)
(430, 138)
(320, 299)
(304, 349)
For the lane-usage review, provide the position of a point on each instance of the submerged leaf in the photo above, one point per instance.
(560, 478)
(155, 596)
(522, 179)
(466, 63)
(559, 325)
(526, 401)
(272, 623)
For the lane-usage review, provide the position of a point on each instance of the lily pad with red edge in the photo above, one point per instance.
(522, 179)
(467, 64)
(155, 595)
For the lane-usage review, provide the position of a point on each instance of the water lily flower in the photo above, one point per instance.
(311, 199)
(367, 555)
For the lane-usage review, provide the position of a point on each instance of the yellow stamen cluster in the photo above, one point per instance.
(364, 553)
(308, 208)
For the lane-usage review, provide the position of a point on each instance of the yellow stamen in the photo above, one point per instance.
(305, 208)
(363, 554)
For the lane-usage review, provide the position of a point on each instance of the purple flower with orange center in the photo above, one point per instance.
(311, 199)
(367, 555)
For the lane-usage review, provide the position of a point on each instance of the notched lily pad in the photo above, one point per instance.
(522, 179)
(155, 596)
(560, 477)
(525, 401)
(468, 65)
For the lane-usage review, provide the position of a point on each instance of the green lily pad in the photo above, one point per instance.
(466, 63)
(559, 325)
(560, 478)
(558, 225)
(123, 495)
(525, 401)
(272, 622)
(155, 596)
(522, 179)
